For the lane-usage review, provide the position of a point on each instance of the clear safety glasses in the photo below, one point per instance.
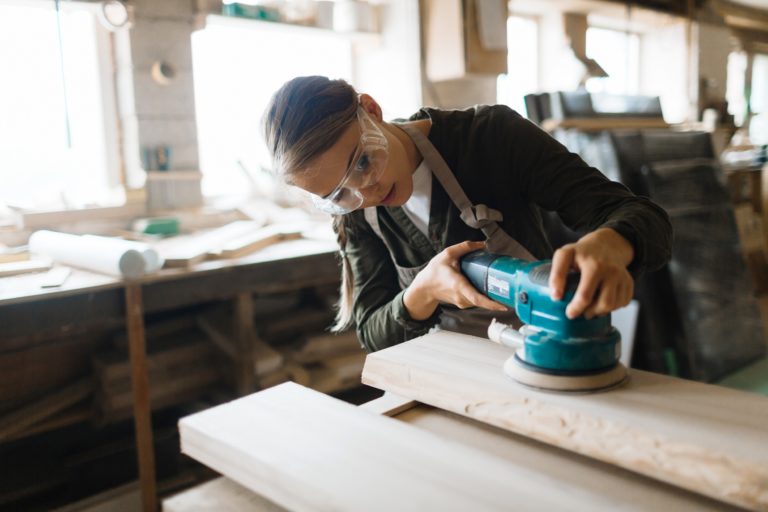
(368, 164)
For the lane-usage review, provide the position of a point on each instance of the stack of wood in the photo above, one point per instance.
(233, 240)
(330, 362)
(291, 344)
(57, 407)
(217, 325)
(182, 365)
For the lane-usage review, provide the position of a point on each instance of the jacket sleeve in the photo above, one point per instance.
(557, 180)
(378, 310)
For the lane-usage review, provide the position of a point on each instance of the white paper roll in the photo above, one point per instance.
(95, 253)
(152, 259)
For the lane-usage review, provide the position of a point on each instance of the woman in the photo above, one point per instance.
(411, 198)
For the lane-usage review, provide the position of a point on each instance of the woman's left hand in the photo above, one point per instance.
(601, 257)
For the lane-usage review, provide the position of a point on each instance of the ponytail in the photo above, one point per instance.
(346, 290)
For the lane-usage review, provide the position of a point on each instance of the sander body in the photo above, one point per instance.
(553, 351)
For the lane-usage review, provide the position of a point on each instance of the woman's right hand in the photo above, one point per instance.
(441, 281)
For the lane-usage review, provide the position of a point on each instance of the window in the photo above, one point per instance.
(618, 53)
(522, 59)
(237, 68)
(58, 145)
(758, 101)
(734, 90)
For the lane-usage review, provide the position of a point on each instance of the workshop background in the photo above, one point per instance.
(151, 266)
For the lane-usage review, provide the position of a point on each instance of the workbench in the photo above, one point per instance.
(87, 302)
(467, 437)
(560, 466)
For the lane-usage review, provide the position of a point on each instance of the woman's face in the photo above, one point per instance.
(394, 184)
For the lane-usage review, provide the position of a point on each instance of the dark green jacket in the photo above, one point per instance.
(507, 163)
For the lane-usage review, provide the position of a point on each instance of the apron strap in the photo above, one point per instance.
(475, 216)
(405, 275)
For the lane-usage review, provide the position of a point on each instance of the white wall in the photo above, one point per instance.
(390, 71)
(714, 48)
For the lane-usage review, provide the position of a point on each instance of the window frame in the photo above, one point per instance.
(637, 86)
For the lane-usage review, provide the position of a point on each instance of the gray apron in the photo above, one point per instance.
(474, 320)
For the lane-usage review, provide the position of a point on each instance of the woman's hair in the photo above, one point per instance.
(304, 118)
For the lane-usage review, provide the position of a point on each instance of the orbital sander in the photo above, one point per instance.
(552, 351)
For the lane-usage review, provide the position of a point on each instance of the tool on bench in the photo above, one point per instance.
(553, 351)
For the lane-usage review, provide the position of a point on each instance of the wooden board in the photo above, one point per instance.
(255, 240)
(24, 267)
(644, 493)
(561, 465)
(320, 347)
(220, 494)
(700, 437)
(596, 124)
(389, 404)
(30, 414)
(186, 250)
(307, 451)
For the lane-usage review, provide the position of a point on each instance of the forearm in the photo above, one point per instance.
(391, 324)
(418, 302)
(647, 227)
(618, 248)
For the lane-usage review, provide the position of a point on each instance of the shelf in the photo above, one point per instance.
(218, 20)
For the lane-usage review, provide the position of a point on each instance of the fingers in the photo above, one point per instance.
(613, 292)
(468, 296)
(561, 263)
(458, 250)
(585, 292)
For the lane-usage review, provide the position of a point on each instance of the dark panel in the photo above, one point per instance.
(719, 314)
(263, 277)
(27, 323)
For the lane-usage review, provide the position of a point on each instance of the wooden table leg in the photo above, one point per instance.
(756, 191)
(142, 412)
(245, 337)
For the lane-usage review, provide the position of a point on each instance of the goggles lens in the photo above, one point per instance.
(368, 164)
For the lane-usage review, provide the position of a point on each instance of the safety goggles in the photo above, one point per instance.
(366, 167)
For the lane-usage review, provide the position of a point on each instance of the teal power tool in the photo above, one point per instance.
(553, 351)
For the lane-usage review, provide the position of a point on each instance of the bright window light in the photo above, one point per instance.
(734, 88)
(522, 63)
(618, 53)
(759, 91)
(237, 68)
(758, 126)
(55, 147)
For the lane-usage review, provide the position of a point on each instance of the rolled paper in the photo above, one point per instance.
(152, 259)
(99, 254)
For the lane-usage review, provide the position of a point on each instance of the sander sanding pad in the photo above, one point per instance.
(579, 383)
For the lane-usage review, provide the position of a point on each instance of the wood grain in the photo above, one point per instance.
(703, 438)
(307, 451)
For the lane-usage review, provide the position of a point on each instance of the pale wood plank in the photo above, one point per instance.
(700, 437)
(389, 404)
(219, 495)
(223, 494)
(24, 267)
(562, 465)
(596, 124)
(308, 451)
